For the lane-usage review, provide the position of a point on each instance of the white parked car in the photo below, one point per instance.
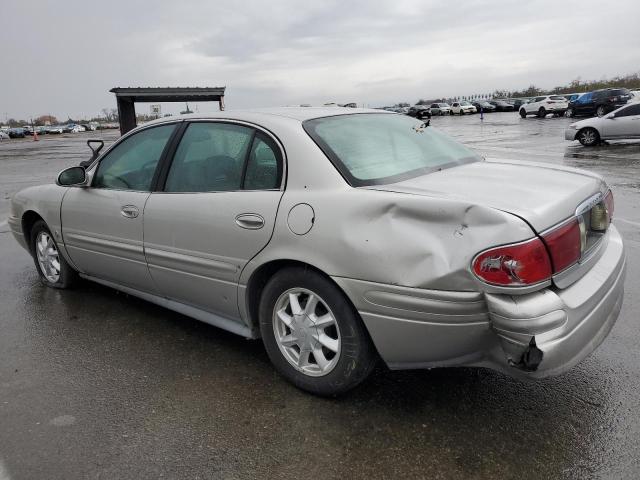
(440, 109)
(620, 124)
(544, 105)
(4, 135)
(635, 96)
(460, 108)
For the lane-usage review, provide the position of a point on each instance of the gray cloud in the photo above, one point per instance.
(63, 57)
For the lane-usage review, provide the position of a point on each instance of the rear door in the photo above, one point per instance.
(215, 212)
(102, 224)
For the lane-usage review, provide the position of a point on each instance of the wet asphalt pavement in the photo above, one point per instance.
(98, 384)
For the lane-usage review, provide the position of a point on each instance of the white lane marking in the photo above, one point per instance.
(4, 475)
(636, 224)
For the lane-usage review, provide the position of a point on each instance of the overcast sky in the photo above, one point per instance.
(63, 56)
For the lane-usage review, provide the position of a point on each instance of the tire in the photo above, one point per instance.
(588, 137)
(347, 353)
(451, 112)
(600, 111)
(523, 113)
(542, 112)
(569, 113)
(53, 269)
(461, 112)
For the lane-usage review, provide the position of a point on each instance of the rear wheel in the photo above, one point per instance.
(542, 112)
(53, 269)
(588, 137)
(312, 334)
(523, 113)
(600, 111)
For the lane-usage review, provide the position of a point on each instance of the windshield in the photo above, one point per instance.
(374, 149)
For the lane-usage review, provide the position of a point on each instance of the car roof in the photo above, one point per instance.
(256, 114)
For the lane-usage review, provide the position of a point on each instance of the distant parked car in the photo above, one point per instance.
(16, 133)
(461, 108)
(419, 111)
(622, 123)
(599, 102)
(501, 105)
(518, 102)
(73, 128)
(55, 129)
(635, 96)
(484, 106)
(544, 105)
(4, 135)
(440, 109)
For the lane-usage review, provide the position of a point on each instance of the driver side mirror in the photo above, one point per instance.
(72, 176)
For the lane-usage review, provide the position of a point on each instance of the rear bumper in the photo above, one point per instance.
(416, 328)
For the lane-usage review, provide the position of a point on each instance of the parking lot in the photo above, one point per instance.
(97, 384)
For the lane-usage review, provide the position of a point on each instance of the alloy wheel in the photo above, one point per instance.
(306, 332)
(48, 257)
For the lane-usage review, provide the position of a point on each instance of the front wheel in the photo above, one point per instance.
(588, 137)
(53, 269)
(523, 113)
(569, 113)
(312, 334)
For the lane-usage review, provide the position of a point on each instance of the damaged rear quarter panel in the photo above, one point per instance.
(392, 238)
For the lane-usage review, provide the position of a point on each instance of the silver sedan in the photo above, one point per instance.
(340, 237)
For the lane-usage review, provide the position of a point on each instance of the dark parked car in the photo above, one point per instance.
(483, 106)
(419, 111)
(502, 106)
(599, 102)
(518, 102)
(16, 133)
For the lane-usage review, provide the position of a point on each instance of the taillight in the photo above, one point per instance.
(608, 201)
(564, 244)
(519, 264)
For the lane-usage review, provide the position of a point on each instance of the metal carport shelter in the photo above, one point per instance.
(128, 96)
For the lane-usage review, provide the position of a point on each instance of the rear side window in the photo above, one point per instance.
(131, 164)
(222, 157)
(210, 158)
(264, 168)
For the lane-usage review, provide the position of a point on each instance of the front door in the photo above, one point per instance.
(102, 225)
(216, 211)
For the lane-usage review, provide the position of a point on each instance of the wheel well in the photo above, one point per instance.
(28, 219)
(261, 276)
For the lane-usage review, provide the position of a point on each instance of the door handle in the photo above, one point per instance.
(129, 211)
(250, 221)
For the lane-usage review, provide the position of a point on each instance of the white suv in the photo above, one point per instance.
(542, 106)
(460, 108)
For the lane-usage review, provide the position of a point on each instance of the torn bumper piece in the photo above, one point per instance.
(547, 332)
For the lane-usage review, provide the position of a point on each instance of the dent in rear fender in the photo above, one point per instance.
(391, 238)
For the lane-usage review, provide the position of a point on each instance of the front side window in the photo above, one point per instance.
(131, 164)
(629, 111)
(372, 149)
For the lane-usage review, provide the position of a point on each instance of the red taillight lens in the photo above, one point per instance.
(515, 265)
(608, 201)
(564, 244)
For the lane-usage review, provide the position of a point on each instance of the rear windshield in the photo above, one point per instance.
(374, 149)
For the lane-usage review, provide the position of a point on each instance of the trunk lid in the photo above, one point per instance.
(542, 194)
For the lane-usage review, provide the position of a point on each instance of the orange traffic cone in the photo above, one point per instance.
(35, 135)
